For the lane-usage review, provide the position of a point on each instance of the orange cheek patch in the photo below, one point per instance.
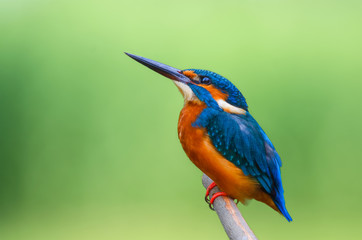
(190, 74)
(216, 93)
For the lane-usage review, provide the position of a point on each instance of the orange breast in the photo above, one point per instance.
(203, 154)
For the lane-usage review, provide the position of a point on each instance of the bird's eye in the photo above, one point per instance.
(205, 80)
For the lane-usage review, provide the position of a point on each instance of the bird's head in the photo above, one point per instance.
(201, 86)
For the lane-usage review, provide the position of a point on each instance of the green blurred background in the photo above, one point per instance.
(88, 140)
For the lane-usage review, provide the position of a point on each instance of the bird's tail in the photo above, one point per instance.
(277, 203)
(283, 210)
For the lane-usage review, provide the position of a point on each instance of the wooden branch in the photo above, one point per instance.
(230, 217)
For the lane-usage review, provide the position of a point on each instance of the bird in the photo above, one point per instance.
(221, 137)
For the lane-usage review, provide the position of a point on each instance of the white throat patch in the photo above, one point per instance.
(186, 91)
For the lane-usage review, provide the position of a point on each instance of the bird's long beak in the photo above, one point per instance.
(163, 69)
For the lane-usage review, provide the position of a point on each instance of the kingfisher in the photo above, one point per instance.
(222, 139)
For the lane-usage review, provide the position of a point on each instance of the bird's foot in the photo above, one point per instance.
(216, 195)
(211, 201)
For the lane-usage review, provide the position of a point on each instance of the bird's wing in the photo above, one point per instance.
(240, 139)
